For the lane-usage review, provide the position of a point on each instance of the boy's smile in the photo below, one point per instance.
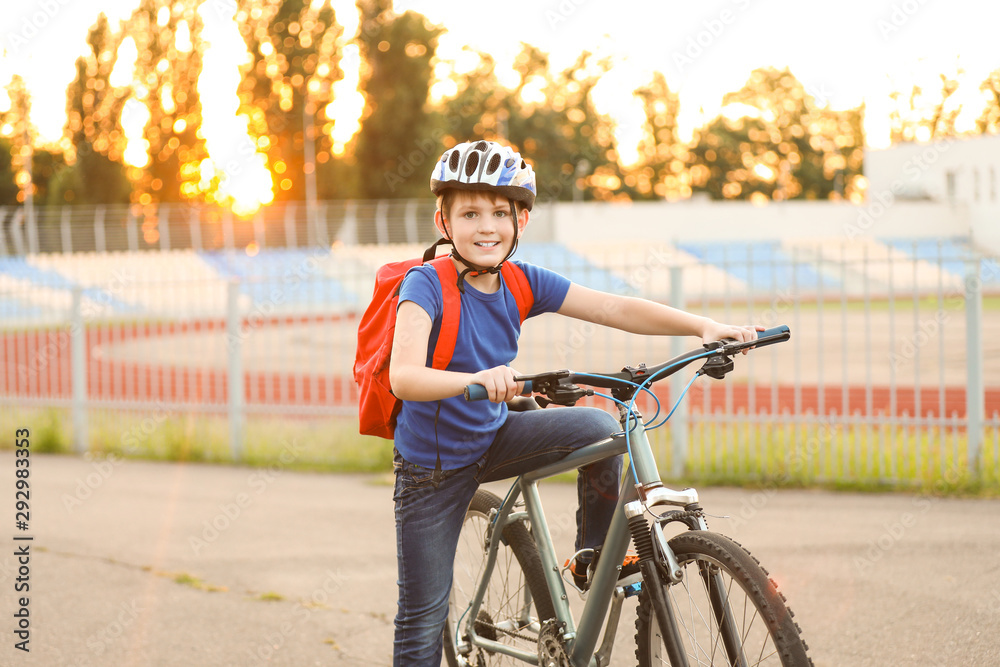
(480, 225)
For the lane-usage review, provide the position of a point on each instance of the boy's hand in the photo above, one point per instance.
(714, 331)
(499, 383)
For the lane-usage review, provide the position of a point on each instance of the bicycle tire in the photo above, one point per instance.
(518, 568)
(767, 630)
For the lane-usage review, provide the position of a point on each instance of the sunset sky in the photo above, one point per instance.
(845, 53)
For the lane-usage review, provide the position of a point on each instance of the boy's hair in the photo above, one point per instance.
(446, 198)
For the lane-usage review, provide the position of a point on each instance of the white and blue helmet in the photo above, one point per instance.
(485, 165)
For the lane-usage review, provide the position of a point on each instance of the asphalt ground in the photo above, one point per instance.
(137, 563)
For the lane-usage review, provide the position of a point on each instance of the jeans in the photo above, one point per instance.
(429, 519)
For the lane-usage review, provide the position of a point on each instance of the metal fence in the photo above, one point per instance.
(892, 373)
(163, 227)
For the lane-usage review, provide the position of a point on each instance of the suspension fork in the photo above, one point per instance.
(654, 584)
(723, 614)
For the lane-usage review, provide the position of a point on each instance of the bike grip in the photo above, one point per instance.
(477, 392)
(781, 330)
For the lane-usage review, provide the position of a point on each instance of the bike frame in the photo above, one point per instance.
(581, 639)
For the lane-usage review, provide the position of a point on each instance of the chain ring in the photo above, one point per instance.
(551, 650)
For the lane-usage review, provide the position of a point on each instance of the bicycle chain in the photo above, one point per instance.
(509, 633)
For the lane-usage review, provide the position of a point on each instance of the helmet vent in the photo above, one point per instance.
(471, 163)
(481, 146)
(453, 160)
(523, 165)
(494, 163)
(508, 163)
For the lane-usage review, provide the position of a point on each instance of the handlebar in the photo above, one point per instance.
(561, 386)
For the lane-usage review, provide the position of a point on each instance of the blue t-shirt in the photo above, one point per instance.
(488, 329)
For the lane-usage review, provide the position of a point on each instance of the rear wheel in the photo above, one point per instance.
(729, 612)
(516, 600)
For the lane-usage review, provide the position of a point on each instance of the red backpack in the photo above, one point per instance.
(377, 405)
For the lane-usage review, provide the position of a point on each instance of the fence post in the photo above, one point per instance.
(234, 386)
(381, 223)
(679, 422)
(411, 222)
(132, 230)
(194, 222)
(100, 240)
(64, 229)
(163, 225)
(975, 397)
(228, 236)
(78, 372)
(31, 227)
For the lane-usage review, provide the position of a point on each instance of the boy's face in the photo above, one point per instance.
(480, 225)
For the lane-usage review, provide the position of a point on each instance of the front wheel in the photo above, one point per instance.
(728, 611)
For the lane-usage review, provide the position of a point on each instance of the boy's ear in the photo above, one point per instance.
(522, 221)
(439, 222)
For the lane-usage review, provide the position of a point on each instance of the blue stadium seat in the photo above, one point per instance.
(759, 263)
(287, 277)
(952, 254)
(572, 265)
(21, 269)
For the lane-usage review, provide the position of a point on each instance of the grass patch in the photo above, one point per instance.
(800, 453)
(270, 596)
(185, 579)
(841, 456)
(328, 444)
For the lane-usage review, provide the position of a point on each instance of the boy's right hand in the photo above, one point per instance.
(499, 383)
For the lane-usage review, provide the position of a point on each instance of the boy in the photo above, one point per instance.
(445, 446)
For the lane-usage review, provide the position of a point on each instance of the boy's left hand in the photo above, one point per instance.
(715, 331)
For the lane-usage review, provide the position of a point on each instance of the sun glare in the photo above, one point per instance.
(135, 115)
(235, 173)
(348, 102)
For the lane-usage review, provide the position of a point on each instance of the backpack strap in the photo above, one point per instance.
(451, 312)
(519, 286)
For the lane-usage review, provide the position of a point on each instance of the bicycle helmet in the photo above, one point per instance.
(486, 166)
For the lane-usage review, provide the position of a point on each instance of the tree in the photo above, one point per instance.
(989, 121)
(15, 127)
(774, 142)
(397, 50)
(8, 186)
(167, 39)
(926, 113)
(549, 117)
(662, 168)
(93, 173)
(294, 61)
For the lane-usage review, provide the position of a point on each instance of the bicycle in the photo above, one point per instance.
(702, 598)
